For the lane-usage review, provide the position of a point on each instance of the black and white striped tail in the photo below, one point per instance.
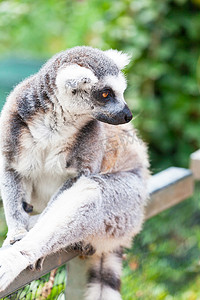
(104, 277)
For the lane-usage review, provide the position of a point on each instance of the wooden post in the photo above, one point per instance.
(195, 164)
(76, 279)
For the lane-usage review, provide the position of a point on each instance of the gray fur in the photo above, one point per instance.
(90, 58)
(60, 160)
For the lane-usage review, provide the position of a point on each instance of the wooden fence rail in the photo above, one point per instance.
(195, 164)
(166, 188)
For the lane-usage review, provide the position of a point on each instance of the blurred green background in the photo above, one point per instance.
(163, 38)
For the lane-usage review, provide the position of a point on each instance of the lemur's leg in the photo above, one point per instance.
(15, 195)
(102, 207)
(33, 220)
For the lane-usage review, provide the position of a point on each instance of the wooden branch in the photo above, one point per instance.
(195, 164)
(168, 188)
(51, 262)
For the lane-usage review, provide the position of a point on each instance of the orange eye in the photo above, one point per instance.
(105, 94)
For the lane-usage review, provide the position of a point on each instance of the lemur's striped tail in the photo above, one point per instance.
(104, 277)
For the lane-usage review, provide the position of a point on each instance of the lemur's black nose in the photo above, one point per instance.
(127, 114)
(115, 118)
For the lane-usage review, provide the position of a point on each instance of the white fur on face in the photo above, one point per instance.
(121, 59)
(118, 85)
(73, 72)
(72, 77)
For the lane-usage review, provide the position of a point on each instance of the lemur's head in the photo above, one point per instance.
(90, 81)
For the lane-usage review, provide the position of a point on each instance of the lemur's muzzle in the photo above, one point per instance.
(125, 115)
(116, 118)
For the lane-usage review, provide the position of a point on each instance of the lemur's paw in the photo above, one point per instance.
(37, 266)
(12, 262)
(84, 249)
(88, 249)
(14, 237)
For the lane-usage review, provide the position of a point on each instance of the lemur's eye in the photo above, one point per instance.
(105, 94)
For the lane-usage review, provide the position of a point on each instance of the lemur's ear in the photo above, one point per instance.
(73, 76)
(121, 59)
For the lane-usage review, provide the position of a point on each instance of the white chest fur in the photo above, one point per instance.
(45, 151)
(41, 156)
(47, 144)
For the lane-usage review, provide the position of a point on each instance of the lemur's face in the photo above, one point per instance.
(81, 91)
(108, 100)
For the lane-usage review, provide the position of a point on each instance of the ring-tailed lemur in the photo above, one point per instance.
(63, 155)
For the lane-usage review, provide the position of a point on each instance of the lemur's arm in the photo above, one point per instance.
(14, 193)
(99, 207)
